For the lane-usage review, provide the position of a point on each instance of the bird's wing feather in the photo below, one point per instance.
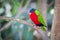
(40, 17)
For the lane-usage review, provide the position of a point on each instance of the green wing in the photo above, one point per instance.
(41, 19)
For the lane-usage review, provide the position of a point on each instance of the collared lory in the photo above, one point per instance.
(37, 18)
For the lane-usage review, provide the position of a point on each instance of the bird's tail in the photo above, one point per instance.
(44, 28)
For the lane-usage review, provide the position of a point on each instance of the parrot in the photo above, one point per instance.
(37, 18)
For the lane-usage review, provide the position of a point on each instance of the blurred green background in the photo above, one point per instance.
(20, 9)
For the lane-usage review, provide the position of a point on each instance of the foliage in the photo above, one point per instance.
(15, 5)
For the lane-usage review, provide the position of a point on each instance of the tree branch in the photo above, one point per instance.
(8, 24)
(14, 19)
(24, 22)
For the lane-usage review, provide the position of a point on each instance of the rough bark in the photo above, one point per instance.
(55, 33)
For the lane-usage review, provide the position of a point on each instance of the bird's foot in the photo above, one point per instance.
(36, 27)
(33, 24)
